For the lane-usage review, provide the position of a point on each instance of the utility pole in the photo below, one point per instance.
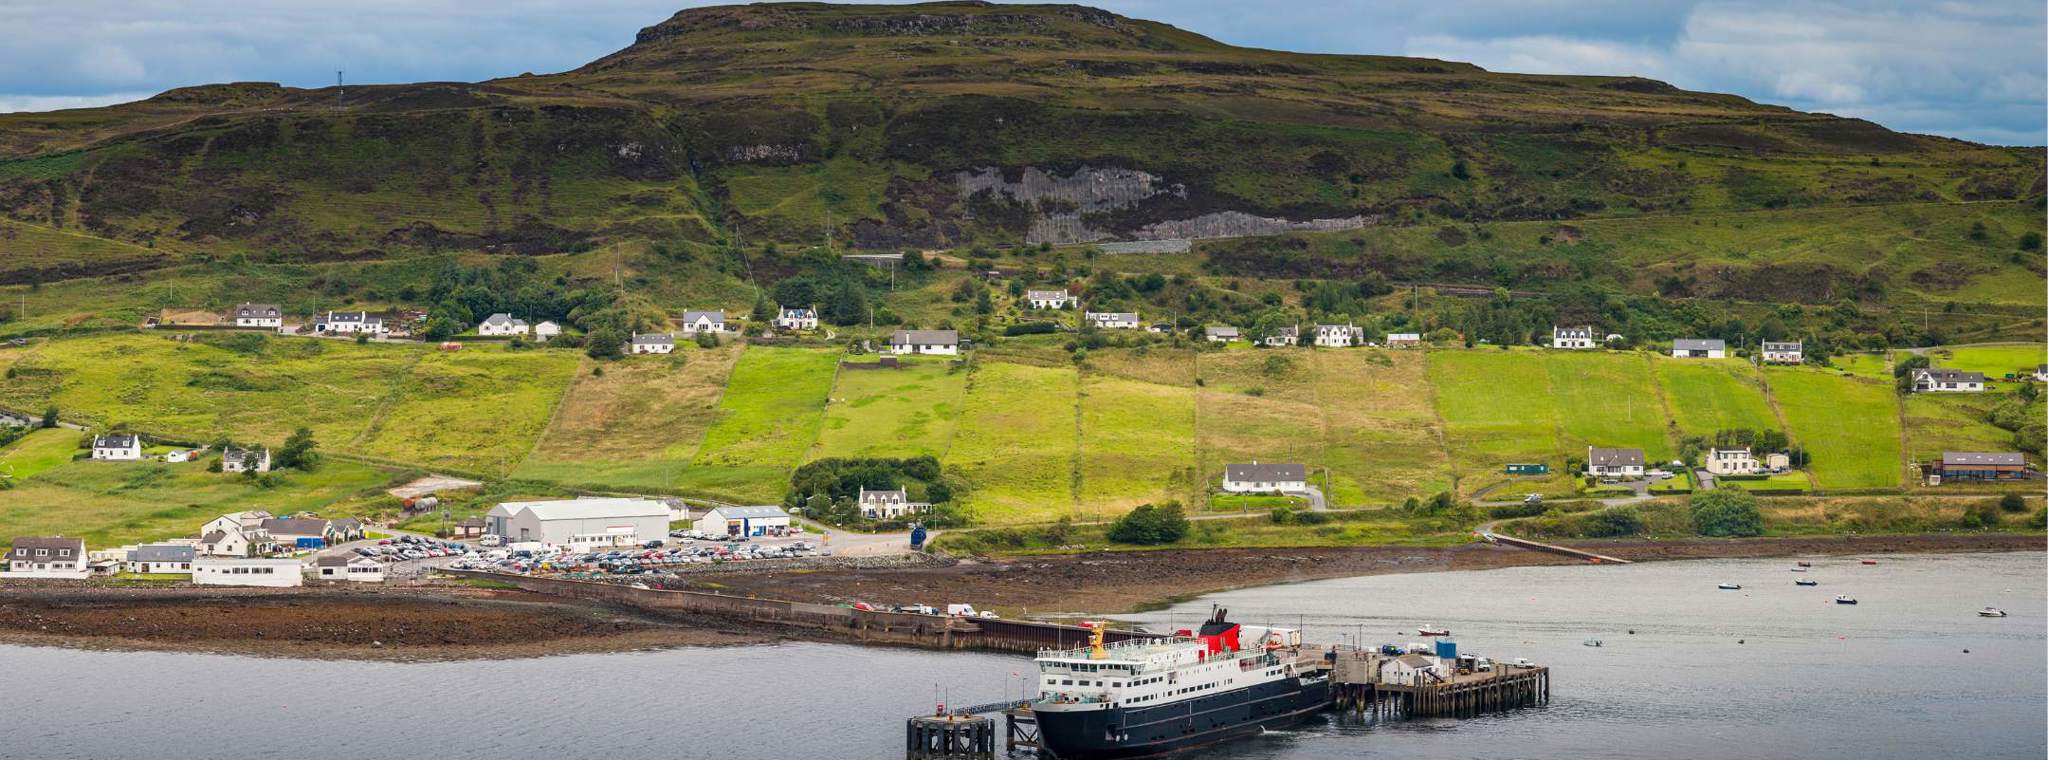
(339, 90)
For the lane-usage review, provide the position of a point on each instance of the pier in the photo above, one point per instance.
(1357, 685)
(1523, 543)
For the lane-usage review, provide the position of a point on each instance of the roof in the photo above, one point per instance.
(1220, 331)
(654, 339)
(237, 454)
(1286, 332)
(1572, 332)
(578, 509)
(547, 324)
(882, 496)
(115, 441)
(1265, 472)
(1791, 345)
(1041, 294)
(1699, 344)
(1403, 336)
(1613, 457)
(925, 337)
(1120, 316)
(258, 310)
(49, 542)
(296, 526)
(1415, 661)
(214, 537)
(1951, 375)
(472, 522)
(2005, 459)
(798, 312)
(730, 512)
(346, 523)
(503, 319)
(343, 560)
(716, 315)
(162, 553)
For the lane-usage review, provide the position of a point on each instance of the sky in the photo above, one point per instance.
(1972, 69)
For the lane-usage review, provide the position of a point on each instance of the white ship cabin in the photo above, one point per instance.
(1142, 673)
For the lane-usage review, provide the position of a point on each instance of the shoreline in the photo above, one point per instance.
(464, 622)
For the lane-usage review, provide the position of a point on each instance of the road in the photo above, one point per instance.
(1314, 496)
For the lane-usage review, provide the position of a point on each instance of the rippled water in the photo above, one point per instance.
(1884, 679)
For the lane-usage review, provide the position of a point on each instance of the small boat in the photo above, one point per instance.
(1870, 562)
(1432, 630)
(1991, 612)
(1730, 587)
(1592, 642)
(1845, 599)
(1804, 563)
(1799, 569)
(1805, 582)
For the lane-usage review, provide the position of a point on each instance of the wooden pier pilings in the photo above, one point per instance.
(1506, 687)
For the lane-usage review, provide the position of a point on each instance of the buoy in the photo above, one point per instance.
(1739, 641)
(1631, 631)
(1966, 651)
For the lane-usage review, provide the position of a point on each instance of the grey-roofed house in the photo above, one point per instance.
(1221, 333)
(887, 505)
(258, 315)
(502, 324)
(125, 447)
(47, 557)
(345, 528)
(796, 318)
(1571, 338)
(1699, 348)
(1980, 465)
(651, 343)
(161, 559)
(695, 322)
(1048, 299)
(1283, 336)
(303, 532)
(1265, 478)
(546, 330)
(1113, 320)
(587, 522)
(1783, 352)
(349, 322)
(1934, 380)
(237, 459)
(348, 567)
(938, 342)
(1339, 336)
(1614, 463)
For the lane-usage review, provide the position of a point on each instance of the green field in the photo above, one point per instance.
(1938, 422)
(1849, 424)
(1381, 439)
(113, 503)
(1497, 408)
(1258, 406)
(1706, 395)
(1137, 430)
(1995, 360)
(633, 423)
(905, 412)
(38, 451)
(1608, 399)
(474, 410)
(767, 419)
(1018, 442)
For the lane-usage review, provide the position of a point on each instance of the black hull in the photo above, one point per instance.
(1157, 730)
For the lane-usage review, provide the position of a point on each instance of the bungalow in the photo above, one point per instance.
(501, 324)
(1932, 380)
(1339, 336)
(1411, 670)
(1573, 338)
(888, 505)
(1977, 465)
(117, 447)
(937, 342)
(1113, 320)
(1699, 348)
(1265, 478)
(1785, 352)
(651, 343)
(348, 567)
(1283, 336)
(1220, 333)
(245, 571)
(695, 322)
(1404, 340)
(1732, 462)
(349, 323)
(1048, 299)
(796, 318)
(546, 331)
(1614, 463)
(245, 460)
(47, 557)
(160, 559)
(258, 315)
(743, 521)
(299, 532)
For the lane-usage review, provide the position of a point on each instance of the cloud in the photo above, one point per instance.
(19, 103)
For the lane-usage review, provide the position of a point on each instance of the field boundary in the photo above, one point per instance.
(385, 404)
(1763, 380)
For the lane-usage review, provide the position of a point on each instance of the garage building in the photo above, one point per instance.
(742, 521)
(580, 522)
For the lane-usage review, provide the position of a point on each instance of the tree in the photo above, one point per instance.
(1150, 525)
(1902, 371)
(763, 311)
(605, 343)
(299, 451)
(50, 416)
(2031, 241)
(1726, 512)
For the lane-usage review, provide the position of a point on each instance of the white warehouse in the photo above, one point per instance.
(582, 522)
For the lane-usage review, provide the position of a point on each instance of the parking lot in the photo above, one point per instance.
(682, 549)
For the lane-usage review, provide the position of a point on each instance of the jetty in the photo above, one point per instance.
(1523, 543)
(1359, 683)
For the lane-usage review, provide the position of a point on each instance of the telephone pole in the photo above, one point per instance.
(339, 90)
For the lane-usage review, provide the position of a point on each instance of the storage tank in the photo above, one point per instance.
(1446, 649)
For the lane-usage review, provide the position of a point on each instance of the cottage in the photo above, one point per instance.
(1732, 462)
(938, 342)
(160, 559)
(888, 505)
(1220, 333)
(1411, 670)
(1932, 380)
(258, 315)
(245, 460)
(349, 323)
(501, 324)
(47, 557)
(651, 343)
(588, 521)
(248, 520)
(1614, 463)
(743, 521)
(117, 447)
(1283, 336)
(1699, 348)
(348, 567)
(245, 571)
(1979, 465)
(1159, 328)
(1113, 320)
(1404, 340)
(695, 322)
(1339, 336)
(235, 542)
(1265, 478)
(546, 331)
(1572, 338)
(345, 529)
(299, 532)
(1784, 352)
(1048, 299)
(797, 318)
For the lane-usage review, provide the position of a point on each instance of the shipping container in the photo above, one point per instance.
(1528, 469)
(1446, 649)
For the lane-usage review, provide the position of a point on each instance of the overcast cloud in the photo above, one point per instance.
(1974, 69)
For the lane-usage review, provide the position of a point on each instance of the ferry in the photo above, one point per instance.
(1153, 697)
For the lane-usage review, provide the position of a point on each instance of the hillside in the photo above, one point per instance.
(951, 125)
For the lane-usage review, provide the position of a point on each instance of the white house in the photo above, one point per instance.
(1614, 463)
(246, 571)
(1732, 462)
(258, 315)
(1339, 336)
(245, 460)
(349, 323)
(695, 322)
(1699, 348)
(651, 343)
(347, 567)
(502, 324)
(1925, 380)
(1113, 320)
(117, 446)
(1788, 352)
(1048, 299)
(888, 505)
(299, 532)
(743, 521)
(1404, 340)
(1283, 336)
(1220, 333)
(1411, 670)
(1265, 478)
(937, 342)
(584, 521)
(249, 520)
(47, 557)
(546, 330)
(796, 318)
(160, 559)
(2041, 374)
(180, 456)
(1571, 337)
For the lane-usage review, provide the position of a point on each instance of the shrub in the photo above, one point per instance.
(1612, 522)
(1030, 328)
(1725, 513)
(2012, 502)
(1150, 525)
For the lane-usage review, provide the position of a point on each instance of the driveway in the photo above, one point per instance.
(1704, 479)
(1314, 496)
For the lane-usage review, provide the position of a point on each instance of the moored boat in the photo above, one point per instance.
(1432, 630)
(1730, 587)
(1804, 563)
(1991, 612)
(1805, 582)
(1845, 599)
(1798, 569)
(1870, 562)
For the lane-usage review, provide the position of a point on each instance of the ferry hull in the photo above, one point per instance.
(1157, 730)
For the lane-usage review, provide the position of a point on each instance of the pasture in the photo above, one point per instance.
(905, 412)
(766, 420)
(1850, 425)
(1137, 430)
(633, 423)
(1706, 395)
(1018, 443)
(114, 503)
